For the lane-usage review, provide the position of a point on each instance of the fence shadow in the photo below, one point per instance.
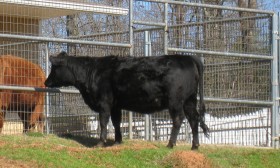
(89, 142)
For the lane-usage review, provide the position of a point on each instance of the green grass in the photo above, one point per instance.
(242, 156)
(52, 151)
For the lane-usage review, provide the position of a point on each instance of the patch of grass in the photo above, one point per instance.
(224, 156)
(35, 134)
(53, 151)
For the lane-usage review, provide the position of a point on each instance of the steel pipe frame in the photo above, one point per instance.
(74, 91)
(60, 40)
(210, 6)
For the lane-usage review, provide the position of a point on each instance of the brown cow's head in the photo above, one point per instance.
(61, 74)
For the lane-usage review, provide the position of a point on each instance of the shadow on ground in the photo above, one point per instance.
(87, 141)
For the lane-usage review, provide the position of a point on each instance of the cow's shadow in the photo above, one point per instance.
(89, 142)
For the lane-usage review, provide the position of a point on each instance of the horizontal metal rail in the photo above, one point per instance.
(239, 121)
(60, 40)
(21, 43)
(227, 20)
(243, 55)
(149, 23)
(211, 6)
(37, 89)
(238, 128)
(74, 91)
(241, 101)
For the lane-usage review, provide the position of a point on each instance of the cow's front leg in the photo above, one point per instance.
(116, 116)
(104, 119)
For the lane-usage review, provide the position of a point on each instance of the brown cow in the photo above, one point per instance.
(15, 71)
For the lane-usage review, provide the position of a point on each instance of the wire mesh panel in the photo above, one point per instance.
(162, 125)
(237, 78)
(157, 45)
(211, 29)
(219, 30)
(25, 23)
(230, 123)
(89, 26)
(69, 115)
(151, 12)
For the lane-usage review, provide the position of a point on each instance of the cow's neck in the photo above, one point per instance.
(81, 75)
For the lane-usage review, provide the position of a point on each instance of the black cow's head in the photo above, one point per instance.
(61, 74)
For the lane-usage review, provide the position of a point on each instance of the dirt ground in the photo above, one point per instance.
(188, 159)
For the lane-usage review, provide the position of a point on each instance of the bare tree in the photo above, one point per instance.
(213, 39)
(247, 25)
(71, 31)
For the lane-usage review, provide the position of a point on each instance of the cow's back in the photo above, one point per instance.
(147, 83)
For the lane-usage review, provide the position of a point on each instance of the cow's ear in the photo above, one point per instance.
(57, 60)
(62, 54)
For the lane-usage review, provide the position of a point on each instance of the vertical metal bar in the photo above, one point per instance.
(131, 27)
(166, 28)
(130, 120)
(47, 93)
(147, 52)
(278, 51)
(147, 43)
(275, 84)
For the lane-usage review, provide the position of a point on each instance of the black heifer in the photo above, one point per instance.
(141, 84)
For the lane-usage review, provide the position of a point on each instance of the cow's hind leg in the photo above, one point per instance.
(193, 118)
(116, 116)
(177, 115)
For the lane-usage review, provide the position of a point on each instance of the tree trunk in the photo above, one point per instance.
(247, 25)
(71, 30)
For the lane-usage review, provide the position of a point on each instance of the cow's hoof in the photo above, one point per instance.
(117, 143)
(100, 145)
(195, 147)
(170, 145)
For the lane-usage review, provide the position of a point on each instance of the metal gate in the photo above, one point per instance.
(238, 48)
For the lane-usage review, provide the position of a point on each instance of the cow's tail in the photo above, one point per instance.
(202, 109)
